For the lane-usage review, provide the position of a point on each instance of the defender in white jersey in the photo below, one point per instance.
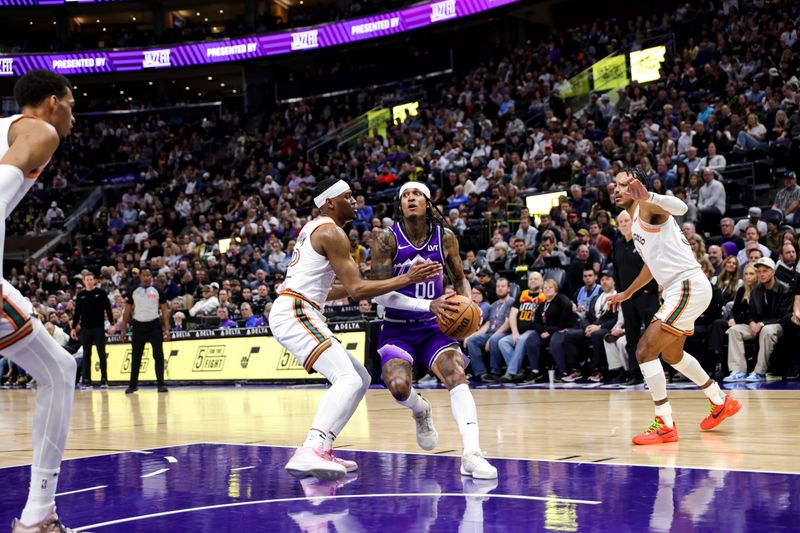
(686, 292)
(27, 142)
(322, 255)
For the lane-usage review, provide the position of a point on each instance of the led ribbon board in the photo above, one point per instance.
(209, 52)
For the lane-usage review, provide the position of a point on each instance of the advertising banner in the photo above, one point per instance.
(391, 23)
(223, 355)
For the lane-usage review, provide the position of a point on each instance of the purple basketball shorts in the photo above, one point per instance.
(417, 340)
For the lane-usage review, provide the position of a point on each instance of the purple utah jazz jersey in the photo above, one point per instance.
(407, 254)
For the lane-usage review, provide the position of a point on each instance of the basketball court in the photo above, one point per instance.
(211, 459)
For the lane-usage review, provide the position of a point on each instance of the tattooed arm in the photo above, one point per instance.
(383, 255)
(455, 268)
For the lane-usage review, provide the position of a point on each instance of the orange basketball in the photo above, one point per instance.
(463, 322)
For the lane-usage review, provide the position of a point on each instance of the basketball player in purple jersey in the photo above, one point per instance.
(410, 329)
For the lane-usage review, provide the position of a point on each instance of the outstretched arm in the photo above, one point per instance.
(333, 243)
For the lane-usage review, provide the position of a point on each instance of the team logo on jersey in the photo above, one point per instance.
(638, 238)
(433, 247)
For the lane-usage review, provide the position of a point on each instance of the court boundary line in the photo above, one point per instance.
(138, 450)
(716, 468)
(338, 497)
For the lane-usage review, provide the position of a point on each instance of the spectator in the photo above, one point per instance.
(715, 256)
(711, 201)
(751, 240)
(753, 219)
(208, 304)
(488, 336)
(728, 234)
(526, 232)
(552, 319)
(479, 298)
(728, 280)
(788, 199)
(520, 321)
(177, 321)
(224, 321)
(786, 269)
(713, 160)
(770, 302)
(592, 330)
(251, 321)
(737, 313)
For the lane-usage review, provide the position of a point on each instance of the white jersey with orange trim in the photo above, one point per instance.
(15, 318)
(665, 250)
(18, 191)
(309, 274)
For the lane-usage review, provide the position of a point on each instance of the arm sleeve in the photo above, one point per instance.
(670, 204)
(395, 300)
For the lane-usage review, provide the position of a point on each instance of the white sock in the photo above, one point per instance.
(466, 416)
(340, 401)
(314, 438)
(414, 402)
(665, 412)
(328, 444)
(653, 374)
(41, 496)
(691, 368)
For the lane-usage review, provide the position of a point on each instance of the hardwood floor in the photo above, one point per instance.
(576, 426)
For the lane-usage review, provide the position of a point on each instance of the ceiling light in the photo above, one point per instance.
(97, 21)
(104, 29)
(198, 13)
(221, 11)
(134, 18)
(234, 91)
(222, 84)
(187, 87)
(122, 92)
(205, 19)
(54, 23)
(84, 94)
(31, 23)
(210, 78)
(149, 83)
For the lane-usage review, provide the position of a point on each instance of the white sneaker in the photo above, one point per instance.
(314, 462)
(350, 466)
(474, 464)
(427, 436)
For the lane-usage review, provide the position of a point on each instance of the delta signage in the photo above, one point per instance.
(209, 52)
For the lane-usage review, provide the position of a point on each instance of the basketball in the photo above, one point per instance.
(463, 322)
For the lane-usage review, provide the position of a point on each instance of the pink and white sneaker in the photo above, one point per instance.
(314, 462)
(350, 466)
(51, 524)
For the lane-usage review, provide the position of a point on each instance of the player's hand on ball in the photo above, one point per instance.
(616, 300)
(422, 271)
(442, 306)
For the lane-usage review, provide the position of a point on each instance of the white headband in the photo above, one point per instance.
(340, 187)
(416, 185)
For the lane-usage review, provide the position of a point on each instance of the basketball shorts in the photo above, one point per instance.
(15, 320)
(423, 341)
(684, 302)
(298, 325)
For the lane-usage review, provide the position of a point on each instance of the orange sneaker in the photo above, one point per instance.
(657, 433)
(718, 413)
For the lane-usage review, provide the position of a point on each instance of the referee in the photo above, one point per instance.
(91, 304)
(143, 305)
